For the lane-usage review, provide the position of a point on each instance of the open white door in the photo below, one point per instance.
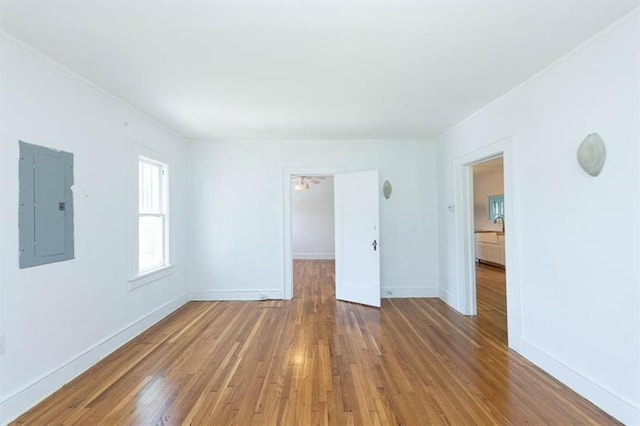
(357, 238)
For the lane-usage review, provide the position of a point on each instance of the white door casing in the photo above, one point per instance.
(465, 238)
(288, 172)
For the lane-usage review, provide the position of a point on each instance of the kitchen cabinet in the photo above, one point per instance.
(490, 247)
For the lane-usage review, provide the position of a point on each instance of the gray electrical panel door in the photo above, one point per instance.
(46, 205)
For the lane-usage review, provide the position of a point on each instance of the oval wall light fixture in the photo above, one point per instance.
(386, 189)
(591, 154)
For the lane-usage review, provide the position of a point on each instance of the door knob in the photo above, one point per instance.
(375, 245)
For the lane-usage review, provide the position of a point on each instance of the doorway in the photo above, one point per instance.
(465, 247)
(313, 232)
(356, 217)
(489, 234)
(289, 181)
(312, 217)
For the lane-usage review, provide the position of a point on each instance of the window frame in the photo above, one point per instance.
(140, 278)
(493, 203)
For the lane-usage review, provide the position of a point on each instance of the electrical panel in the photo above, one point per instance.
(45, 205)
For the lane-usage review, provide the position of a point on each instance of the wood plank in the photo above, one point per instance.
(315, 360)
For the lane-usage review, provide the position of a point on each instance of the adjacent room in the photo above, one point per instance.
(489, 236)
(313, 230)
(310, 212)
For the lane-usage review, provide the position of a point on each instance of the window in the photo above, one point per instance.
(496, 207)
(153, 222)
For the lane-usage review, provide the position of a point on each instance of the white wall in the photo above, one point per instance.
(236, 230)
(487, 181)
(312, 217)
(59, 319)
(577, 236)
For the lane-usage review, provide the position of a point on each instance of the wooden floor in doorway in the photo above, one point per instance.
(491, 298)
(313, 360)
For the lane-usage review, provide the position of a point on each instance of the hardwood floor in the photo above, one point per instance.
(313, 360)
(491, 299)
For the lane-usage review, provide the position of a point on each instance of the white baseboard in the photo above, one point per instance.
(22, 400)
(236, 295)
(447, 298)
(625, 411)
(315, 256)
(400, 292)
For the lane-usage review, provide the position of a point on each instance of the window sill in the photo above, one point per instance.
(151, 276)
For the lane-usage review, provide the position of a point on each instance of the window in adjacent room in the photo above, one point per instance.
(153, 224)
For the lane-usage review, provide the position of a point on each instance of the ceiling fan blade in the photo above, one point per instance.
(300, 186)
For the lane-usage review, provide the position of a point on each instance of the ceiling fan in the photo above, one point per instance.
(303, 182)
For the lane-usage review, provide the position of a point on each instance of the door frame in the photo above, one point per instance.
(288, 222)
(465, 236)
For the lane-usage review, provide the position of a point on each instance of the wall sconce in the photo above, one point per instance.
(591, 154)
(386, 189)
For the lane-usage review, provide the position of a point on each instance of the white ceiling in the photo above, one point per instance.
(312, 70)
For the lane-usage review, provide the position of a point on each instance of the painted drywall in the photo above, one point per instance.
(59, 319)
(236, 230)
(312, 217)
(575, 258)
(488, 180)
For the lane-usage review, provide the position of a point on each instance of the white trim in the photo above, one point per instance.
(415, 292)
(624, 410)
(235, 295)
(316, 256)
(29, 395)
(146, 153)
(465, 273)
(287, 172)
(447, 298)
(151, 276)
(464, 235)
